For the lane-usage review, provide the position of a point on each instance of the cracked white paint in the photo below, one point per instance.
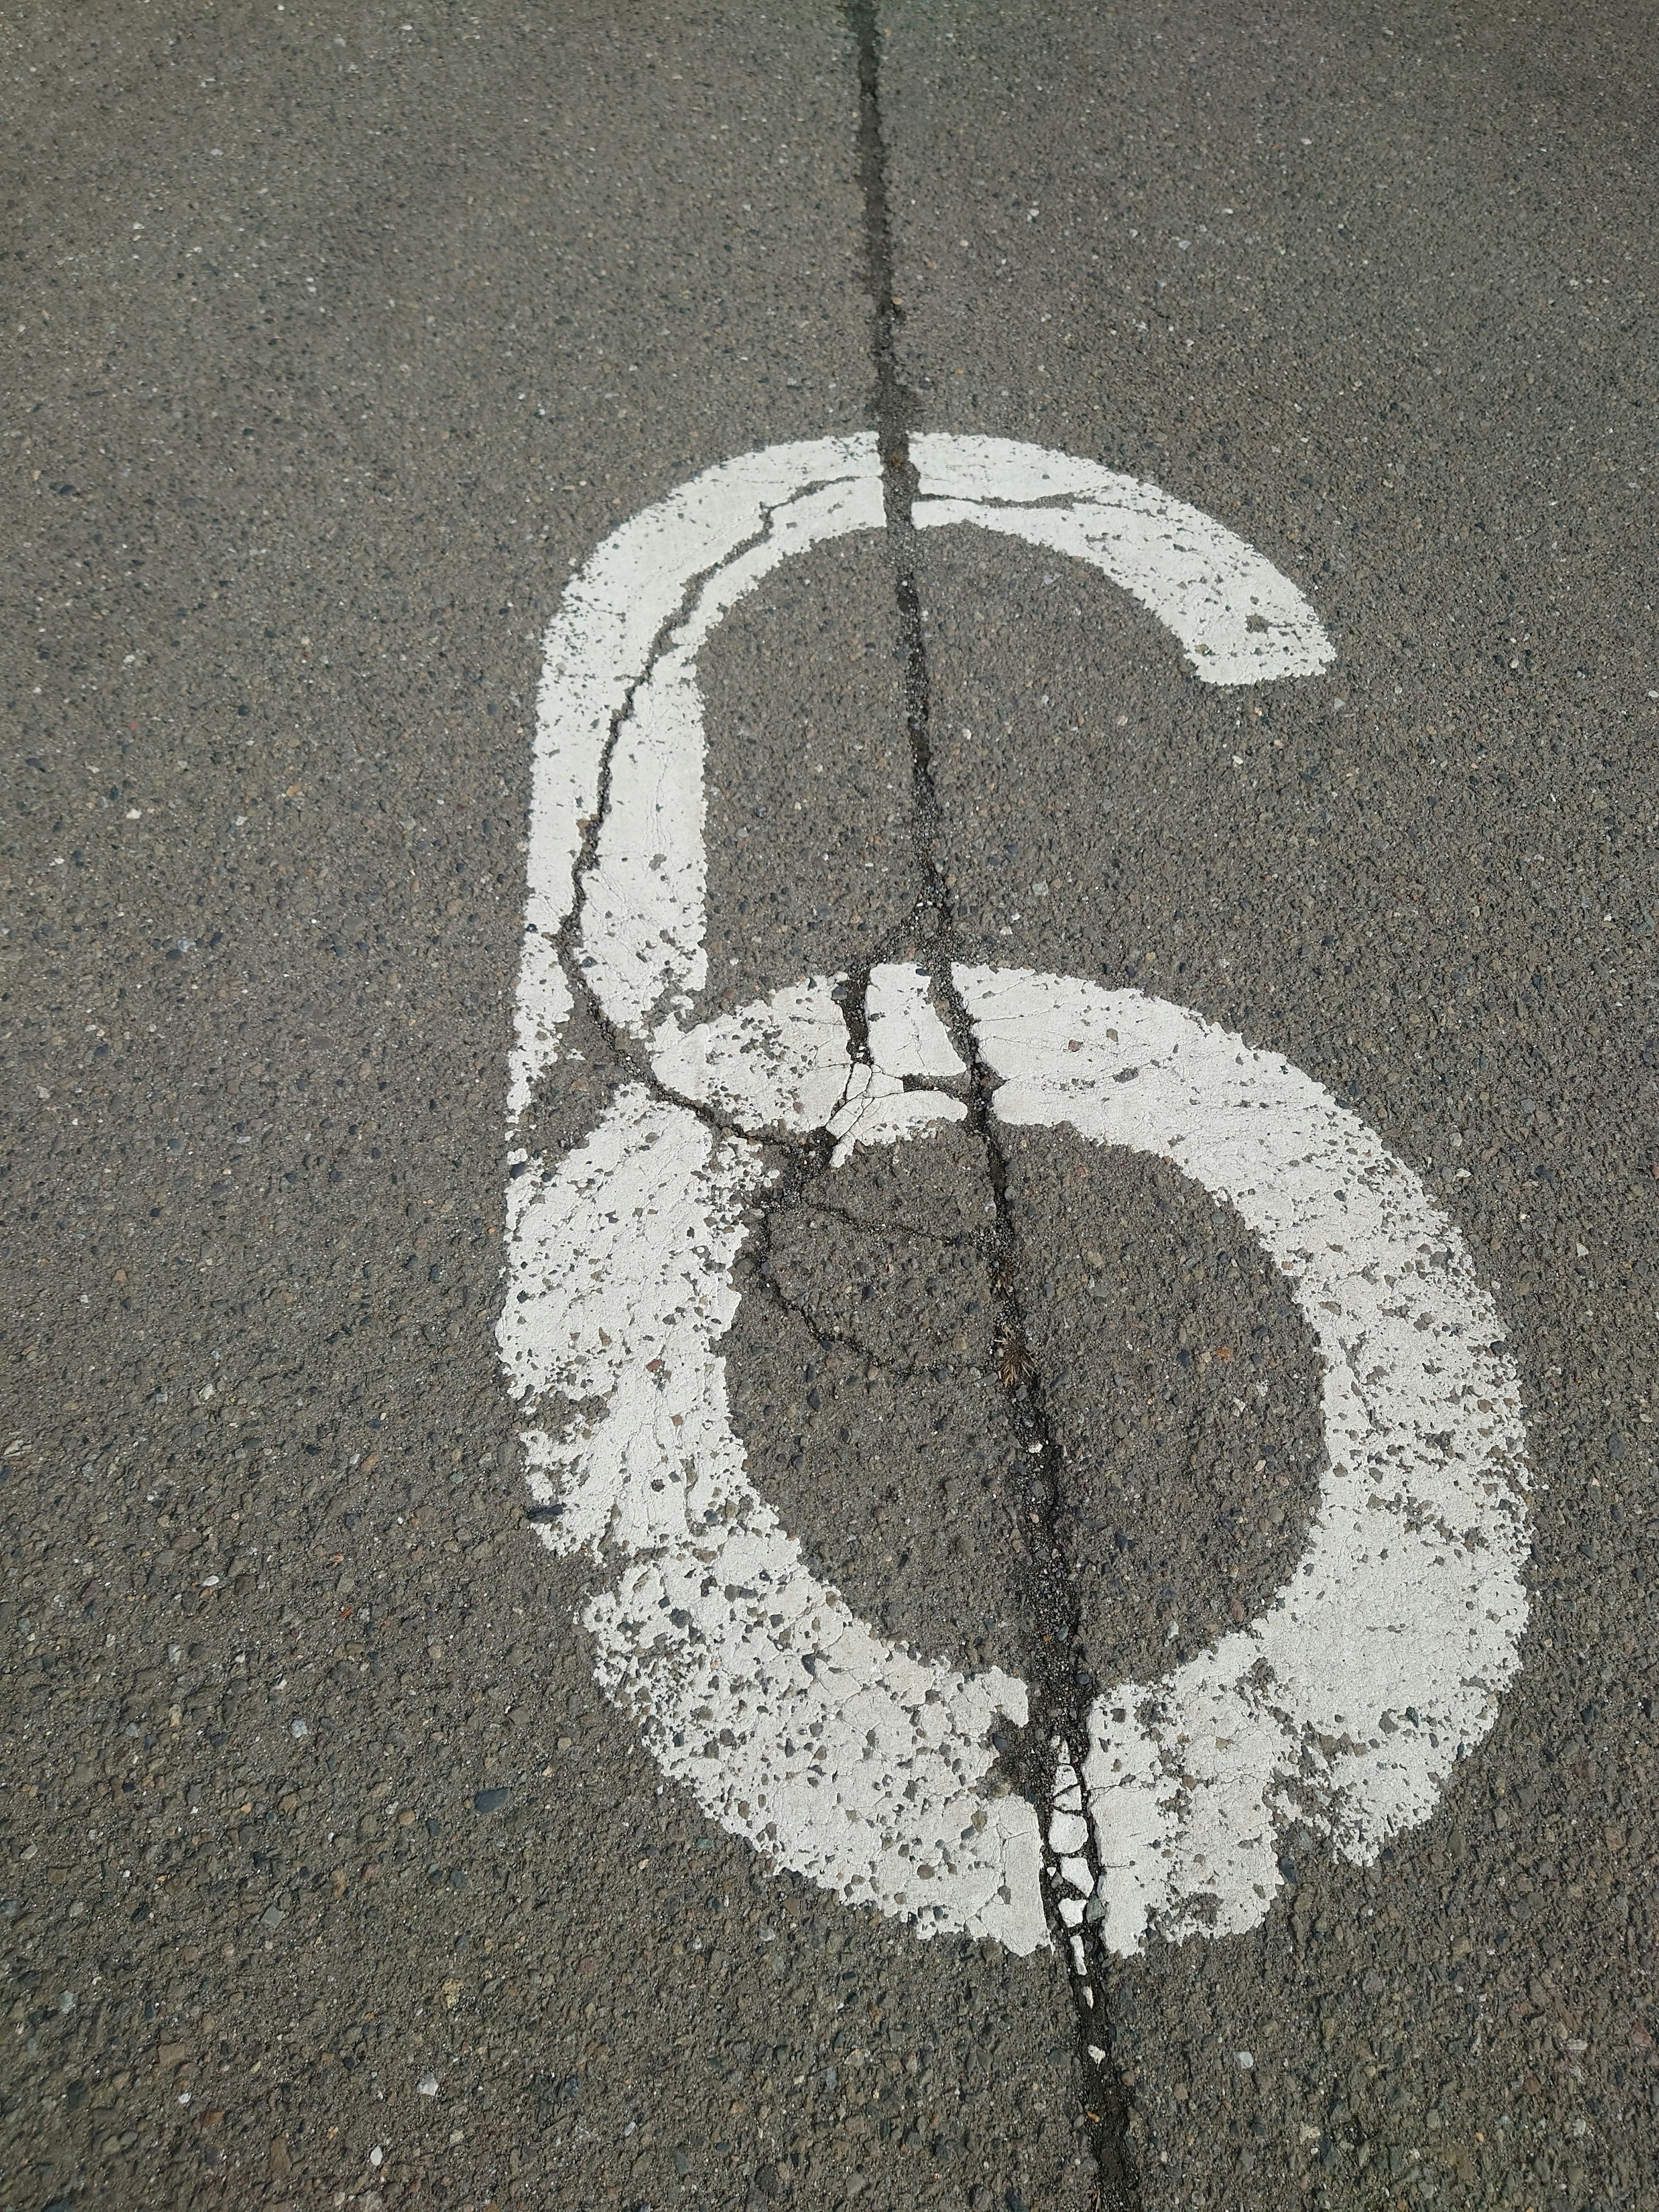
(1380, 1663)
(782, 1063)
(634, 618)
(1068, 1834)
(779, 1064)
(905, 1031)
(907, 1038)
(600, 645)
(1238, 618)
(837, 1753)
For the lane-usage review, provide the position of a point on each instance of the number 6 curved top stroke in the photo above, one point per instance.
(644, 604)
(861, 1766)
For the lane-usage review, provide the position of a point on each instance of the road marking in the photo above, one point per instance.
(838, 1755)
(1380, 1663)
(680, 566)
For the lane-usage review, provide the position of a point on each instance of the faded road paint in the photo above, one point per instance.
(620, 657)
(1380, 1663)
(837, 1754)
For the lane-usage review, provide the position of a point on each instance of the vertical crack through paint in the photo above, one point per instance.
(1061, 1687)
(806, 1156)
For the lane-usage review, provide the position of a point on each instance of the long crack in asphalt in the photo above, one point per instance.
(1051, 1755)
(1056, 1742)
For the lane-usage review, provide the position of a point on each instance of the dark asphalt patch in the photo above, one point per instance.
(1185, 1390)
(809, 861)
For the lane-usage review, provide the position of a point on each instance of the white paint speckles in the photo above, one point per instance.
(619, 1286)
(863, 1766)
(1380, 1663)
(836, 1754)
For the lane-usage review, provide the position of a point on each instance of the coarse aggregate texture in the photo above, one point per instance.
(865, 1385)
(1240, 256)
(1182, 1384)
(334, 340)
(810, 866)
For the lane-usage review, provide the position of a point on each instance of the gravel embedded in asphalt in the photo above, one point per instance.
(336, 346)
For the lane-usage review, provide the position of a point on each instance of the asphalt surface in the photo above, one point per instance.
(334, 342)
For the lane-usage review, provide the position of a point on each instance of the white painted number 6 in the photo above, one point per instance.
(857, 1764)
